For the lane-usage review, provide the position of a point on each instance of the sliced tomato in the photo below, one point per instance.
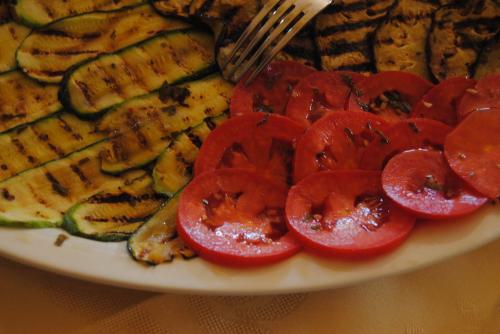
(259, 142)
(441, 102)
(235, 217)
(422, 182)
(320, 93)
(270, 91)
(473, 151)
(391, 95)
(405, 135)
(346, 213)
(336, 141)
(485, 95)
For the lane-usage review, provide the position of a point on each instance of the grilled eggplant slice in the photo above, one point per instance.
(108, 80)
(37, 13)
(143, 127)
(174, 168)
(11, 36)
(172, 7)
(157, 241)
(24, 100)
(39, 197)
(48, 139)
(49, 52)
(400, 42)
(458, 34)
(116, 214)
(489, 60)
(344, 31)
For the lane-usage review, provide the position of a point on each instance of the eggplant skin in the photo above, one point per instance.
(489, 59)
(458, 34)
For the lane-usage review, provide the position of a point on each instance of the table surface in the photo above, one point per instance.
(461, 295)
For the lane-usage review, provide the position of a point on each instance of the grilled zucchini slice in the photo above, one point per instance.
(344, 31)
(489, 60)
(140, 69)
(400, 42)
(24, 100)
(39, 197)
(143, 127)
(116, 214)
(11, 36)
(49, 52)
(48, 139)
(172, 7)
(174, 168)
(157, 241)
(37, 13)
(458, 34)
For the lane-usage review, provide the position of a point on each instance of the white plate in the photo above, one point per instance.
(109, 263)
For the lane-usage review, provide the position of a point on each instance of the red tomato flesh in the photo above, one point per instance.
(473, 151)
(391, 95)
(441, 102)
(405, 135)
(320, 93)
(257, 141)
(235, 217)
(269, 92)
(336, 141)
(346, 213)
(485, 95)
(422, 182)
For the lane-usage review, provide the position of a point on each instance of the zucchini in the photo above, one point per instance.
(39, 197)
(37, 13)
(142, 128)
(12, 35)
(344, 33)
(49, 52)
(458, 34)
(116, 214)
(174, 168)
(108, 80)
(172, 7)
(24, 100)
(48, 139)
(489, 59)
(400, 42)
(157, 241)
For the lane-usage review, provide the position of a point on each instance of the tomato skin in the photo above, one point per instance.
(440, 103)
(421, 182)
(472, 150)
(320, 93)
(485, 95)
(327, 145)
(349, 230)
(270, 91)
(221, 244)
(406, 135)
(411, 88)
(254, 133)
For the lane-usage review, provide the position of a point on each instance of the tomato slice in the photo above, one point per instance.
(336, 141)
(473, 151)
(391, 95)
(320, 93)
(346, 213)
(422, 182)
(405, 135)
(269, 92)
(486, 94)
(235, 217)
(441, 102)
(259, 142)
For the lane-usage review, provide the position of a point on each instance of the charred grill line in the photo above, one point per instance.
(117, 219)
(75, 169)
(56, 185)
(350, 26)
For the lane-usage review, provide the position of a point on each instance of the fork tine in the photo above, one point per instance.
(250, 29)
(270, 22)
(289, 18)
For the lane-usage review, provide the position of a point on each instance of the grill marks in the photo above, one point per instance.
(12, 35)
(343, 33)
(458, 34)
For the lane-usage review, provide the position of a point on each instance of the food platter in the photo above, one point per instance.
(108, 264)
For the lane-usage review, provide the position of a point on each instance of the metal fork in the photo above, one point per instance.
(270, 30)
